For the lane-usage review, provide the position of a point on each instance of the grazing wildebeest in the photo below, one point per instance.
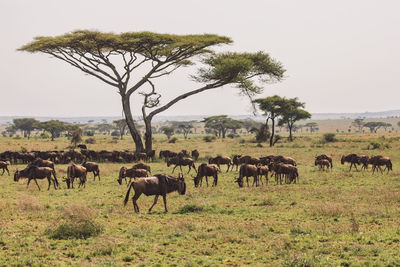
(378, 161)
(131, 173)
(167, 154)
(4, 166)
(287, 170)
(247, 170)
(352, 159)
(195, 154)
(45, 163)
(325, 156)
(322, 163)
(141, 165)
(220, 160)
(140, 156)
(205, 170)
(33, 172)
(75, 171)
(158, 185)
(179, 161)
(92, 167)
(262, 171)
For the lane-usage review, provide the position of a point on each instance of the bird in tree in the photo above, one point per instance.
(148, 56)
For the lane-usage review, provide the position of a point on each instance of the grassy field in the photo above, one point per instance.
(330, 218)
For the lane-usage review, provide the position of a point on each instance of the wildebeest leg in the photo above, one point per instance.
(207, 180)
(180, 167)
(174, 168)
(165, 202)
(29, 180)
(247, 180)
(135, 205)
(155, 201)
(36, 183)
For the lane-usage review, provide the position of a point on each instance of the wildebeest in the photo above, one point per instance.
(75, 171)
(247, 170)
(131, 173)
(285, 160)
(179, 161)
(220, 160)
(151, 155)
(4, 166)
(280, 169)
(239, 160)
(141, 165)
(33, 172)
(195, 154)
(45, 163)
(352, 159)
(167, 154)
(322, 163)
(262, 171)
(158, 185)
(363, 159)
(205, 170)
(325, 156)
(92, 167)
(82, 146)
(378, 161)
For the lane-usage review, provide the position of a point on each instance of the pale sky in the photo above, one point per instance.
(340, 56)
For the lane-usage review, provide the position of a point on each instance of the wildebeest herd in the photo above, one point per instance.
(283, 169)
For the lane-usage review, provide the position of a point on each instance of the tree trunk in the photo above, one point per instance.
(223, 133)
(290, 132)
(131, 124)
(148, 136)
(271, 140)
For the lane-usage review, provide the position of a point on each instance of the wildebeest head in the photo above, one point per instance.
(342, 160)
(67, 181)
(196, 180)
(181, 185)
(16, 176)
(169, 162)
(122, 173)
(316, 162)
(239, 181)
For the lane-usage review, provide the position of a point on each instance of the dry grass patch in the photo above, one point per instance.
(28, 203)
(329, 209)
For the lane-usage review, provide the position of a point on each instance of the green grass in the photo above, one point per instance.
(330, 218)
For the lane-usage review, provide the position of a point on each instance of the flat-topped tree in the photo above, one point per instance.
(121, 59)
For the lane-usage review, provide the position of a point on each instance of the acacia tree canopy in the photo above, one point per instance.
(121, 59)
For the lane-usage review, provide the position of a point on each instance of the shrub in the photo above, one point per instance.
(89, 133)
(329, 137)
(232, 135)
(189, 208)
(115, 133)
(209, 138)
(173, 140)
(242, 141)
(76, 222)
(45, 135)
(90, 140)
(373, 145)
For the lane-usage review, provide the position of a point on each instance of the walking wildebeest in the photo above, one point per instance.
(158, 185)
(131, 173)
(92, 167)
(75, 171)
(220, 160)
(378, 161)
(247, 170)
(179, 161)
(4, 166)
(262, 171)
(33, 172)
(205, 170)
(353, 159)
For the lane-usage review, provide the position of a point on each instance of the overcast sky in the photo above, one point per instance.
(340, 56)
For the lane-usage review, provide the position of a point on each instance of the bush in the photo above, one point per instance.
(189, 208)
(173, 140)
(232, 135)
(373, 145)
(115, 133)
(329, 137)
(209, 138)
(75, 223)
(90, 140)
(89, 133)
(45, 135)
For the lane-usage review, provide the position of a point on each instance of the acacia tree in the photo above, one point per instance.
(168, 131)
(374, 126)
(358, 123)
(272, 107)
(293, 111)
(133, 60)
(313, 126)
(54, 127)
(184, 126)
(121, 125)
(221, 123)
(26, 125)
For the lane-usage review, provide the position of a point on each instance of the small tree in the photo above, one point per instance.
(374, 126)
(273, 108)
(76, 137)
(221, 123)
(313, 126)
(184, 126)
(358, 124)
(121, 125)
(168, 131)
(291, 113)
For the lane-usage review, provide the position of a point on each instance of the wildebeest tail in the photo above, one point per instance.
(55, 178)
(127, 194)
